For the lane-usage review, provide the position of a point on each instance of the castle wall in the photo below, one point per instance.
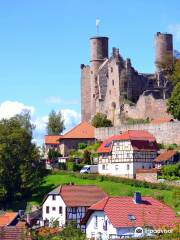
(85, 93)
(147, 107)
(166, 133)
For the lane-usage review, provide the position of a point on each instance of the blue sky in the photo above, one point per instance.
(43, 43)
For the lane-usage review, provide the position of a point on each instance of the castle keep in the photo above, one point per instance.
(108, 84)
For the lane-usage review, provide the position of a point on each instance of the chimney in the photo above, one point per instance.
(137, 197)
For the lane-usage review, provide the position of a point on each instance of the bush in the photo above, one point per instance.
(100, 120)
(77, 167)
(87, 157)
(62, 166)
(171, 171)
(82, 145)
(70, 166)
(132, 121)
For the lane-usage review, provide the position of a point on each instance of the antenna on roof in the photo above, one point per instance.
(97, 25)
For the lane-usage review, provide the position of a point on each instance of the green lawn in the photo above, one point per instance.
(112, 188)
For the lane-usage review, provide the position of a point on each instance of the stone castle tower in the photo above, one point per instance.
(109, 83)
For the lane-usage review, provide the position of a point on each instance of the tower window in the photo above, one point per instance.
(113, 82)
(91, 72)
(93, 95)
(111, 69)
(110, 92)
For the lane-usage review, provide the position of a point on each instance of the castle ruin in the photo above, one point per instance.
(110, 85)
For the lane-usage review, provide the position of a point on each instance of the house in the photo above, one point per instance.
(165, 158)
(18, 232)
(69, 202)
(51, 142)
(82, 133)
(122, 154)
(115, 217)
(8, 218)
(11, 228)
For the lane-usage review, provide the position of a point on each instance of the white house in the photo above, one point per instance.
(69, 202)
(116, 217)
(123, 154)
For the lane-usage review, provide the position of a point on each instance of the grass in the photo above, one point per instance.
(112, 188)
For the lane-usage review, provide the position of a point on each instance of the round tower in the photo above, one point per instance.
(98, 53)
(164, 47)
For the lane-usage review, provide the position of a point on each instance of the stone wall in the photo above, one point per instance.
(147, 107)
(166, 133)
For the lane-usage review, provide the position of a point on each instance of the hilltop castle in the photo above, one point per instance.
(110, 85)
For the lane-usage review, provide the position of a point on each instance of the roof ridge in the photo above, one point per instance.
(76, 127)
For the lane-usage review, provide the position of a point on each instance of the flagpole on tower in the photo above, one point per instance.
(97, 25)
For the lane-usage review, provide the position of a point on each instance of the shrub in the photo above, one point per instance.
(100, 120)
(82, 145)
(171, 170)
(62, 166)
(70, 166)
(87, 157)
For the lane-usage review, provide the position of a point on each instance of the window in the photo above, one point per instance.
(74, 210)
(113, 82)
(103, 167)
(95, 222)
(127, 166)
(53, 197)
(60, 210)
(111, 69)
(47, 209)
(109, 92)
(116, 167)
(54, 208)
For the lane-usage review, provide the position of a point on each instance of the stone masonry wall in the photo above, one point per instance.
(166, 133)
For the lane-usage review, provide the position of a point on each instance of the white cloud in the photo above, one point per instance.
(58, 100)
(175, 30)
(9, 109)
(71, 118)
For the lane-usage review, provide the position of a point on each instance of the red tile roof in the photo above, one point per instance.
(52, 139)
(140, 140)
(84, 195)
(165, 156)
(79, 195)
(83, 130)
(14, 233)
(150, 212)
(162, 120)
(7, 218)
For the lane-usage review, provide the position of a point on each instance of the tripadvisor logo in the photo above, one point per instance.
(139, 231)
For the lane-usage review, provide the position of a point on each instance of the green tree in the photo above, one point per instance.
(174, 100)
(100, 120)
(55, 124)
(86, 157)
(20, 169)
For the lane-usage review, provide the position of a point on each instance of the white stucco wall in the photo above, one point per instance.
(91, 229)
(111, 231)
(116, 169)
(54, 214)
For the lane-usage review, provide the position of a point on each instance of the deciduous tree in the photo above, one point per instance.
(55, 124)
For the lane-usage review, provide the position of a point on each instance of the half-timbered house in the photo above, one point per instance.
(122, 154)
(69, 203)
